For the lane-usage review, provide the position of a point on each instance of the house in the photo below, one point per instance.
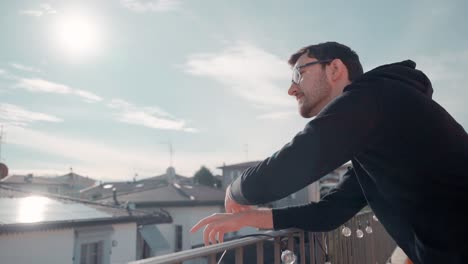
(105, 190)
(185, 201)
(230, 172)
(57, 229)
(308, 194)
(69, 184)
(311, 193)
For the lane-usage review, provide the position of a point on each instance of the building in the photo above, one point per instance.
(69, 184)
(185, 201)
(230, 172)
(105, 190)
(55, 229)
(308, 194)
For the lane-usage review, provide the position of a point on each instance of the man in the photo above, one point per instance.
(409, 158)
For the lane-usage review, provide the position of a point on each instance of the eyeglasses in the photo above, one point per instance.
(296, 76)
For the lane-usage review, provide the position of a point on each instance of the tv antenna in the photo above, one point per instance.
(171, 151)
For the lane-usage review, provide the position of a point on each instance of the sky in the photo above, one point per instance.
(107, 88)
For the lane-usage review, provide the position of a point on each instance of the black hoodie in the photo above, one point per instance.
(409, 160)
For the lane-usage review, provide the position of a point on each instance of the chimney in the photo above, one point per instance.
(28, 178)
(171, 175)
(114, 195)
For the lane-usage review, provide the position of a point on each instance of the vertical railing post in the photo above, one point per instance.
(260, 252)
(311, 247)
(277, 250)
(212, 259)
(239, 255)
(302, 247)
(291, 241)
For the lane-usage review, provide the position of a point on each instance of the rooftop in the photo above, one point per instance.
(175, 194)
(26, 211)
(240, 165)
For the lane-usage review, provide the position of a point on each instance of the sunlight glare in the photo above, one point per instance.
(32, 209)
(78, 36)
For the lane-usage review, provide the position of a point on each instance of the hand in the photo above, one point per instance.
(232, 206)
(218, 224)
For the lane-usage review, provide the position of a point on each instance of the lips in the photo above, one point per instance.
(299, 96)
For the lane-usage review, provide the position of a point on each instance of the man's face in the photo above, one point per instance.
(313, 91)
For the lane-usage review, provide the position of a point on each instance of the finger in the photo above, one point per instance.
(206, 234)
(212, 236)
(205, 221)
(221, 236)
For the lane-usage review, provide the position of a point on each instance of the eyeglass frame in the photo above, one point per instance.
(298, 68)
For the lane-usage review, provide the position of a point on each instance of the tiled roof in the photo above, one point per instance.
(76, 179)
(105, 190)
(174, 194)
(20, 179)
(240, 165)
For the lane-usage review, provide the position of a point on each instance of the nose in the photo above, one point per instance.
(293, 89)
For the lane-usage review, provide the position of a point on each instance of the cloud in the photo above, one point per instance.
(83, 151)
(15, 115)
(142, 6)
(23, 67)
(43, 86)
(6, 75)
(44, 9)
(279, 115)
(93, 158)
(247, 71)
(151, 117)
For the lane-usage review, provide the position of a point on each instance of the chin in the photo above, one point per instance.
(304, 114)
(307, 113)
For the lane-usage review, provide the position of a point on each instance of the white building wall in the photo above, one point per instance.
(57, 246)
(52, 246)
(188, 217)
(123, 242)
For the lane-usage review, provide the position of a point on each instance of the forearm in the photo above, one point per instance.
(337, 207)
(316, 217)
(259, 218)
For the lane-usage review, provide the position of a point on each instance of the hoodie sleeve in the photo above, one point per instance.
(341, 130)
(337, 207)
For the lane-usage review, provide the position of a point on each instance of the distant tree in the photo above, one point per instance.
(204, 176)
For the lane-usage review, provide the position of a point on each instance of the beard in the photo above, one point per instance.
(316, 97)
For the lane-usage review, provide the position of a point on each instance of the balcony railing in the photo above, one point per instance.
(353, 243)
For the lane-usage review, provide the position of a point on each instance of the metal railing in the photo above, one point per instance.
(375, 246)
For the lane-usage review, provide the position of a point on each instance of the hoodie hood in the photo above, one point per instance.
(404, 71)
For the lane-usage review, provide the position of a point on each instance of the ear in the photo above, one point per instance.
(336, 71)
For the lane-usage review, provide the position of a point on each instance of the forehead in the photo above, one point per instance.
(303, 59)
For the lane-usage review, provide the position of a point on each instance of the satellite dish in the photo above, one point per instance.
(3, 171)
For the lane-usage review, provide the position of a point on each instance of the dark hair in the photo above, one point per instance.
(332, 50)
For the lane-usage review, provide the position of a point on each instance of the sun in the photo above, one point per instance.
(78, 36)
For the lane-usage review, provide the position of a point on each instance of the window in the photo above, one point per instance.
(92, 245)
(178, 238)
(91, 253)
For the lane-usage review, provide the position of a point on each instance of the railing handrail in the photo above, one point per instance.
(212, 249)
(375, 246)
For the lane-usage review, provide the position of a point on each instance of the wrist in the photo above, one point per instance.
(260, 218)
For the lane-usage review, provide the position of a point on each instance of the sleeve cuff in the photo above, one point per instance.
(236, 192)
(281, 218)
